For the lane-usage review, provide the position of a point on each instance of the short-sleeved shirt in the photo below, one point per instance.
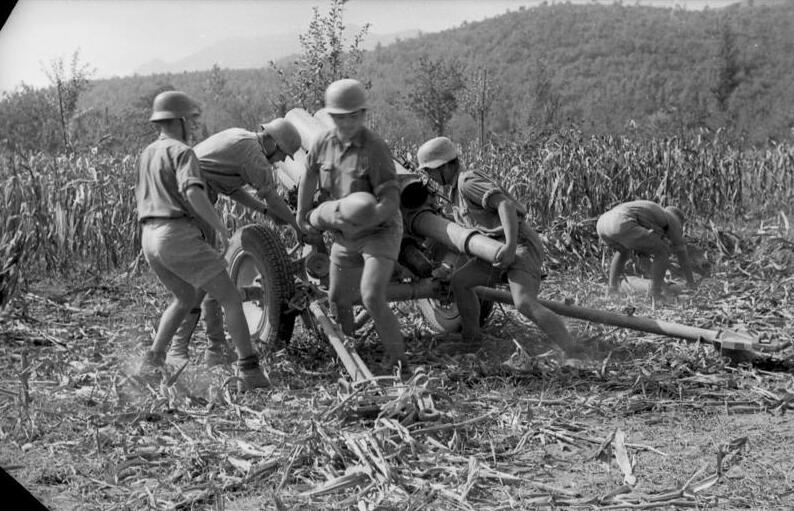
(473, 194)
(364, 164)
(167, 168)
(651, 216)
(232, 159)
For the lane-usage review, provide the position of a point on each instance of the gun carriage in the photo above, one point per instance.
(280, 285)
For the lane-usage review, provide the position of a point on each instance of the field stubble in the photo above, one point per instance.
(658, 424)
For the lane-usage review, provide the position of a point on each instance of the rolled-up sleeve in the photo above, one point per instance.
(188, 171)
(480, 191)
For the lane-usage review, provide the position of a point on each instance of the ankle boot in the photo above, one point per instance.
(249, 374)
(217, 352)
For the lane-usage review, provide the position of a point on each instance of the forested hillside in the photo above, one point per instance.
(601, 69)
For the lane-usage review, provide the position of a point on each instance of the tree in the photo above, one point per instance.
(546, 100)
(68, 85)
(729, 69)
(323, 60)
(26, 121)
(215, 84)
(477, 97)
(435, 90)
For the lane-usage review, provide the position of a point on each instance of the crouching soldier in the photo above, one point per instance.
(648, 229)
(172, 203)
(481, 204)
(230, 160)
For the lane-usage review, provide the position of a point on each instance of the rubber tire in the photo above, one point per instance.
(257, 251)
(443, 317)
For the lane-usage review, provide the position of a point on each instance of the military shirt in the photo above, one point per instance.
(473, 196)
(231, 159)
(166, 169)
(364, 164)
(650, 215)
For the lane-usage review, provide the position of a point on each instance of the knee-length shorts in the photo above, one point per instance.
(177, 250)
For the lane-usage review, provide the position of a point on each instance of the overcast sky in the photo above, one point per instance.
(117, 36)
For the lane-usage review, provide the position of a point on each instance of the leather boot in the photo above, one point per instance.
(178, 353)
(250, 375)
(217, 352)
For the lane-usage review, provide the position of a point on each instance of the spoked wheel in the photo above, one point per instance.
(260, 267)
(442, 316)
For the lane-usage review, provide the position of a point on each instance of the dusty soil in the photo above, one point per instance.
(655, 423)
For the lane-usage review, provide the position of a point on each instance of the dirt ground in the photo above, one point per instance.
(656, 423)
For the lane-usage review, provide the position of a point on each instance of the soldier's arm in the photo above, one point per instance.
(201, 204)
(280, 210)
(249, 201)
(388, 204)
(676, 234)
(306, 188)
(509, 218)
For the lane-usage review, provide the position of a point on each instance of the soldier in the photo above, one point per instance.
(230, 160)
(172, 203)
(480, 203)
(646, 228)
(347, 159)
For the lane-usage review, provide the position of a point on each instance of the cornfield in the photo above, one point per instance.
(62, 214)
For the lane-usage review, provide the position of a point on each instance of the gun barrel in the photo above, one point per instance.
(309, 128)
(427, 224)
(724, 339)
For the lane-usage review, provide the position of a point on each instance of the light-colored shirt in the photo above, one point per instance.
(166, 169)
(476, 197)
(652, 216)
(364, 164)
(231, 159)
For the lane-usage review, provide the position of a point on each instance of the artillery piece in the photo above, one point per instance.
(279, 286)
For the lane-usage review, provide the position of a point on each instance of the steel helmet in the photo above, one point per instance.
(173, 104)
(345, 97)
(436, 152)
(284, 134)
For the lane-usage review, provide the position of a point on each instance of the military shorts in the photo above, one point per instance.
(529, 259)
(625, 234)
(177, 249)
(384, 243)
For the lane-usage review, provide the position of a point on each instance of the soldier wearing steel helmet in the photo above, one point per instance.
(646, 228)
(482, 204)
(172, 206)
(347, 159)
(230, 160)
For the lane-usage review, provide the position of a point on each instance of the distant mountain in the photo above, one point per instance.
(255, 52)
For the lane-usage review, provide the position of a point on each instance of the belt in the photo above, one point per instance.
(150, 219)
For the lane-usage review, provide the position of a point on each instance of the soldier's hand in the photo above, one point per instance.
(505, 257)
(305, 226)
